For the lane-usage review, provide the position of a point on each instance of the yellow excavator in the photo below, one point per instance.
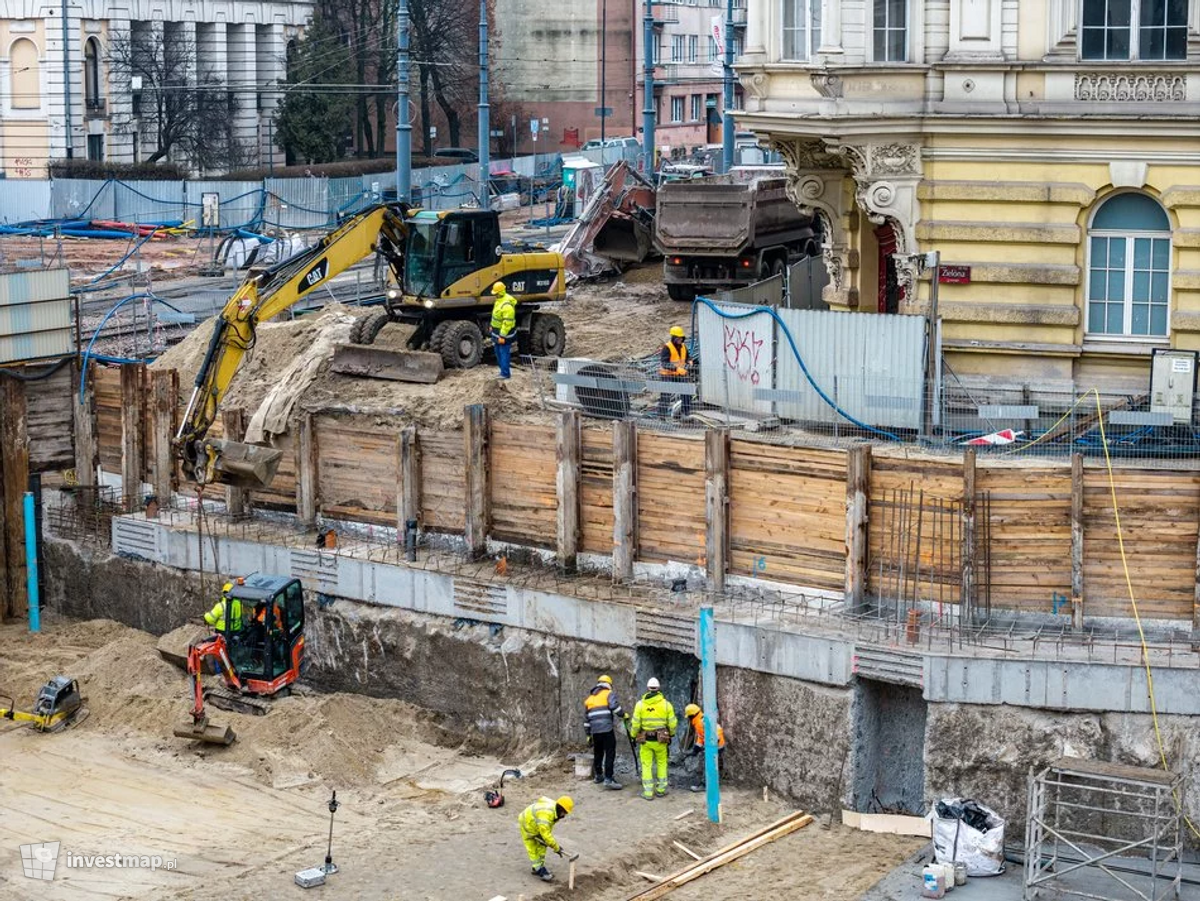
(440, 270)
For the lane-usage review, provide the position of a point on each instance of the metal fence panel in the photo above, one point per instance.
(241, 201)
(86, 198)
(767, 293)
(345, 195)
(737, 357)
(297, 202)
(35, 315)
(806, 282)
(872, 366)
(22, 199)
(150, 201)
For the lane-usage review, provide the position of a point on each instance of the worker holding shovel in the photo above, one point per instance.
(537, 823)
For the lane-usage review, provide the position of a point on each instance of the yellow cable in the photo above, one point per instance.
(1112, 488)
(1050, 430)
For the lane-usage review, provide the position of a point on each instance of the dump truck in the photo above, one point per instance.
(727, 231)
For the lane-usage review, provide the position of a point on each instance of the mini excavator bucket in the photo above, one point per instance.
(242, 465)
(203, 730)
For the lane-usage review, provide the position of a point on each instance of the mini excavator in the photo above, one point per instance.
(59, 706)
(257, 658)
(440, 270)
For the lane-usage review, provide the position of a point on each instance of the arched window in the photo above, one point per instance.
(26, 75)
(91, 73)
(1129, 268)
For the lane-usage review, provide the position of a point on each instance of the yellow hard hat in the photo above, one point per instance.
(691, 710)
(676, 332)
(566, 803)
(498, 289)
(228, 586)
(607, 680)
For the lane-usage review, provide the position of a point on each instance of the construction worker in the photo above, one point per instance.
(673, 367)
(696, 717)
(601, 709)
(537, 832)
(653, 726)
(504, 327)
(216, 617)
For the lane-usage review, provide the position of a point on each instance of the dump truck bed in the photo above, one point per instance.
(723, 215)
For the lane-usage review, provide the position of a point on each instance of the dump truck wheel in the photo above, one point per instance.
(777, 267)
(681, 292)
(366, 330)
(547, 335)
(461, 345)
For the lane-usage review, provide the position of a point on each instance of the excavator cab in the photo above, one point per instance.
(444, 248)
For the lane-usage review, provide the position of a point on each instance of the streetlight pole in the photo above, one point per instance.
(728, 125)
(403, 120)
(485, 199)
(603, 73)
(648, 89)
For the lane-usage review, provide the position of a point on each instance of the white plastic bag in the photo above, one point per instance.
(956, 842)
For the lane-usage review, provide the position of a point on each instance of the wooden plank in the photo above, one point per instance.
(233, 421)
(716, 493)
(133, 378)
(1077, 540)
(568, 455)
(107, 382)
(84, 424)
(671, 499)
(858, 491)
(475, 451)
(624, 499)
(307, 472)
(14, 482)
(164, 393)
(49, 419)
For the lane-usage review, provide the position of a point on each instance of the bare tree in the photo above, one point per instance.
(190, 116)
(442, 32)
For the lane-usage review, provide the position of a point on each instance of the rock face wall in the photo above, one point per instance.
(889, 748)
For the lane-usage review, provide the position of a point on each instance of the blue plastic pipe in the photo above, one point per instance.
(31, 563)
(708, 686)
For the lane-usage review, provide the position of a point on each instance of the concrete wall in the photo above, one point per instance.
(889, 748)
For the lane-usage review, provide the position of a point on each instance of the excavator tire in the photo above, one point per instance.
(461, 345)
(547, 335)
(366, 330)
(437, 336)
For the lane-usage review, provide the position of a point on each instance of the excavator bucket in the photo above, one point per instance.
(243, 465)
(367, 361)
(212, 733)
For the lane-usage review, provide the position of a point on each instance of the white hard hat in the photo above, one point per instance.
(652, 685)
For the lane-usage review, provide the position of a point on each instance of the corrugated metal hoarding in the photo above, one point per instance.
(22, 199)
(737, 356)
(35, 315)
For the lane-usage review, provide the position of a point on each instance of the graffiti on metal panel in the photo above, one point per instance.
(743, 348)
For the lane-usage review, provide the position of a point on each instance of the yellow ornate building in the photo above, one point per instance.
(1049, 150)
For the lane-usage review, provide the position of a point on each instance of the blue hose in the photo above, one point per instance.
(88, 355)
(799, 359)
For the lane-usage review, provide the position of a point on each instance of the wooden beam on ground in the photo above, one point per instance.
(649, 877)
(408, 500)
(306, 472)
(84, 419)
(858, 505)
(164, 391)
(133, 463)
(569, 454)
(686, 850)
(475, 438)
(716, 500)
(624, 499)
(1077, 541)
(14, 481)
(728, 854)
(967, 608)
(233, 425)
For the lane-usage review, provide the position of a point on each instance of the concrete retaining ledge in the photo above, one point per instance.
(767, 647)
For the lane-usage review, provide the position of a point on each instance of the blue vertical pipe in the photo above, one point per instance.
(485, 123)
(727, 126)
(708, 686)
(31, 563)
(648, 90)
(403, 117)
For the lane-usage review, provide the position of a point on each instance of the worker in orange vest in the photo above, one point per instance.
(696, 717)
(674, 366)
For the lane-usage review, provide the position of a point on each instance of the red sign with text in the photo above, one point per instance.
(954, 275)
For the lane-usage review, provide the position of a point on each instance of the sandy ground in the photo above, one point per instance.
(168, 256)
(239, 821)
(611, 321)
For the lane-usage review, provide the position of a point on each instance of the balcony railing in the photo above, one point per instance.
(95, 107)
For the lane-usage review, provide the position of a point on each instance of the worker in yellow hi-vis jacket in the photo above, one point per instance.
(653, 725)
(537, 832)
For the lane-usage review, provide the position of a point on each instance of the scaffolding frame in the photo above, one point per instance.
(1139, 812)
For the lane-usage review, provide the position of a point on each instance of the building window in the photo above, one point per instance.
(693, 47)
(801, 29)
(1129, 268)
(697, 107)
(676, 109)
(1134, 29)
(95, 148)
(677, 48)
(891, 31)
(26, 89)
(93, 102)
